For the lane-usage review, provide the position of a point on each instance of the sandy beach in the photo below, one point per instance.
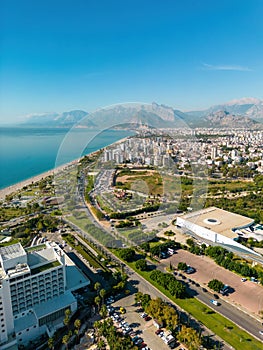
(18, 186)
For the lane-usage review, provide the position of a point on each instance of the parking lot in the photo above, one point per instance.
(207, 269)
(144, 329)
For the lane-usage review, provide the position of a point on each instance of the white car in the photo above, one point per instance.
(261, 332)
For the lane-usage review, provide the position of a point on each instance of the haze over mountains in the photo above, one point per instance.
(246, 112)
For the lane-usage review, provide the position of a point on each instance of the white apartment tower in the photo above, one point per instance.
(33, 292)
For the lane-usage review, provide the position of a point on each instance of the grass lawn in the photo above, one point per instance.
(218, 324)
(12, 241)
(35, 248)
(45, 267)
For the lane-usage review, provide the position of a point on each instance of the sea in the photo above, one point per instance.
(29, 151)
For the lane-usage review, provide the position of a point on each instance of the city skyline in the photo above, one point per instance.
(81, 55)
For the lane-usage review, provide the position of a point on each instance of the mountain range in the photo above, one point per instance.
(246, 112)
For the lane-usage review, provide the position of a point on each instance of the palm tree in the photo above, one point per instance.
(97, 286)
(97, 301)
(102, 293)
(97, 328)
(50, 343)
(65, 339)
(101, 344)
(77, 325)
(103, 311)
(67, 317)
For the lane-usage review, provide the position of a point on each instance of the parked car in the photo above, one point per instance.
(190, 269)
(122, 310)
(224, 290)
(138, 341)
(147, 318)
(243, 279)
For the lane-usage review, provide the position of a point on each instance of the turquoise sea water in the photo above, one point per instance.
(26, 152)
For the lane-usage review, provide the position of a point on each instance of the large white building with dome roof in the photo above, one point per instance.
(218, 226)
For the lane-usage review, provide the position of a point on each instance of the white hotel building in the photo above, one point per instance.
(35, 291)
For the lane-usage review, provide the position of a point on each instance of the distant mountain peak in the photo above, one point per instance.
(243, 101)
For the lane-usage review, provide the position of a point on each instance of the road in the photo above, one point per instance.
(239, 317)
(146, 287)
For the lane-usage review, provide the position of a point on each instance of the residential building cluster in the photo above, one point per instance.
(187, 147)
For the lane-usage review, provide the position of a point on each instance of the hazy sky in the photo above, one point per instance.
(84, 54)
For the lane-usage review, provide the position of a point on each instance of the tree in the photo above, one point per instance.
(138, 297)
(67, 317)
(216, 285)
(189, 337)
(65, 339)
(101, 344)
(145, 246)
(97, 286)
(102, 294)
(141, 265)
(190, 242)
(77, 325)
(103, 311)
(51, 343)
(182, 266)
(97, 301)
(127, 254)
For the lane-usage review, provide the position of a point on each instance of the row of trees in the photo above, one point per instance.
(225, 259)
(145, 209)
(169, 282)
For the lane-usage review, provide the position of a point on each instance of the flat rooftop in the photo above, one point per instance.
(54, 304)
(75, 277)
(219, 221)
(12, 251)
(24, 322)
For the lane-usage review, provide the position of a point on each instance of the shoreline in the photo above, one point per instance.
(19, 185)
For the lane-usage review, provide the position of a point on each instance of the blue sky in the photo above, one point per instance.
(84, 54)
